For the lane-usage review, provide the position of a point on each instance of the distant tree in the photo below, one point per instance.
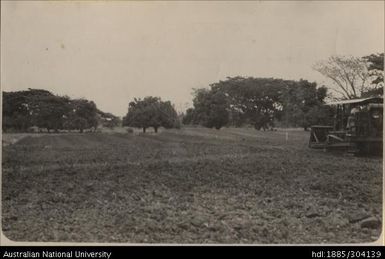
(189, 117)
(169, 117)
(108, 120)
(256, 101)
(210, 109)
(16, 113)
(74, 122)
(349, 75)
(150, 112)
(83, 115)
(49, 111)
(251, 100)
(318, 115)
(37, 107)
(299, 99)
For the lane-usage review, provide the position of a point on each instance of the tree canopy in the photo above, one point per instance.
(353, 77)
(210, 109)
(151, 112)
(108, 120)
(83, 115)
(256, 101)
(41, 108)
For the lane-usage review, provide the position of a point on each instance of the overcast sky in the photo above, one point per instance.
(111, 52)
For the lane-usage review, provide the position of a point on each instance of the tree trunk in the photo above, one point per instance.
(81, 130)
(156, 129)
(144, 130)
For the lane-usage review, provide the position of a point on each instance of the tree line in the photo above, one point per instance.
(39, 108)
(260, 102)
(263, 103)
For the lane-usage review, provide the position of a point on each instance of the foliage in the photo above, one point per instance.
(108, 120)
(349, 75)
(257, 101)
(318, 115)
(16, 108)
(210, 108)
(49, 111)
(189, 117)
(301, 101)
(151, 112)
(252, 100)
(42, 109)
(83, 115)
(376, 73)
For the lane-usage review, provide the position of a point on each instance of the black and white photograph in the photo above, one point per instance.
(192, 122)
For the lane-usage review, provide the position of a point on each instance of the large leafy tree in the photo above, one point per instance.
(210, 108)
(15, 111)
(36, 107)
(301, 103)
(256, 101)
(83, 115)
(150, 112)
(50, 111)
(21, 109)
(349, 75)
(252, 100)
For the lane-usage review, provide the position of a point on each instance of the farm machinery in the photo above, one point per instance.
(357, 127)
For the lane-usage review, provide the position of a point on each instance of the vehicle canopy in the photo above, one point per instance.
(361, 101)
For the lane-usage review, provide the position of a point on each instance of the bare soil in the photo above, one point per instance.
(187, 186)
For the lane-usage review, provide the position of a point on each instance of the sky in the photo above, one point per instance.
(111, 52)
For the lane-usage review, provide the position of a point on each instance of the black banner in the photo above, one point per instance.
(111, 252)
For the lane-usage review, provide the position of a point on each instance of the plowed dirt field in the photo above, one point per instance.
(188, 186)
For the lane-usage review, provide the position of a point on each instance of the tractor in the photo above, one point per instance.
(357, 127)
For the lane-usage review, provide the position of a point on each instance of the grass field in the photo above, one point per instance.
(187, 186)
